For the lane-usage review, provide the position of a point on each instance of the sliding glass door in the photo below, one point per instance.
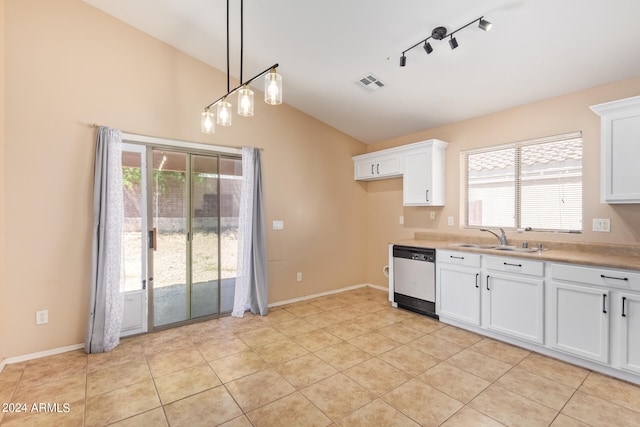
(186, 226)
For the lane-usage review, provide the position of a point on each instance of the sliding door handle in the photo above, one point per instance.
(152, 239)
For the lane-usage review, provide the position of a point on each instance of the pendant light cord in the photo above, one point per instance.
(241, 37)
(228, 86)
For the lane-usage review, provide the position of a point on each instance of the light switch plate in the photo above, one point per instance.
(450, 220)
(432, 214)
(278, 225)
(401, 220)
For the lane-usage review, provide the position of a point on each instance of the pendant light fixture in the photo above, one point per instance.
(272, 92)
(439, 33)
(207, 122)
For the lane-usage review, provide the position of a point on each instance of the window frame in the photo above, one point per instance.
(518, 179)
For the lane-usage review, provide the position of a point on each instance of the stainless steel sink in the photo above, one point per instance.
(494, 247)
(514, 249)
(473, 245)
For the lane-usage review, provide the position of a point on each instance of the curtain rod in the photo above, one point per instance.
(149, 139)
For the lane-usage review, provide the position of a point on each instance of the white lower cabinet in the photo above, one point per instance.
(582, 314)
(580, 320)
(629, 331)
(515, 306)
(458, 279)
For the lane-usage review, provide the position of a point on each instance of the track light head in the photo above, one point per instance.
(484, 24)
(427, 47)
(403, 60)
(453, 43)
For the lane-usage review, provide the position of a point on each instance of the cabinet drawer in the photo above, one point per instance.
(459, 258)
(515, 265)
(610, 278)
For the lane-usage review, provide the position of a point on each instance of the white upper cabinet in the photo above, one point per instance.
(369, 167)
(423, 178)
(421, 166)
(620, 145)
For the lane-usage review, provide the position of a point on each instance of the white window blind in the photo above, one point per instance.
(536, 184)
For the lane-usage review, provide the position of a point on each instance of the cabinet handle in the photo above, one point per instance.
(623, 301)
(513, 265)
(427, 195)
(615, 278)
(378, 168)
(488, 283)
(604, 303)
(372, 172)
(456, 257)
(477, 277)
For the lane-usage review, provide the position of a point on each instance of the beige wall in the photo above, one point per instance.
(549, 117)
(3, 320)
(69, 65)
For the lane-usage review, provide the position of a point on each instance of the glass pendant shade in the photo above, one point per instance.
(207, 124)
(273, 88)
(224, 113)
(245, 102)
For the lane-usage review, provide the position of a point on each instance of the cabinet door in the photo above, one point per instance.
(459, 297)
(580, 317)
(621, 150)
(515, 306)
(630, 330)
(620, 127)
(365, 169)
(378, 168)
(416, 184)
(388, 166)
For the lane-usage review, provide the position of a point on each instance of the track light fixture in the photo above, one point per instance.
(272, 95)
(439, 33)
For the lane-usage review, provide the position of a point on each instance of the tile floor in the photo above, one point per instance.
(343, 360)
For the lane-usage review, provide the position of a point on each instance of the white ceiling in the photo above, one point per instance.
(536, 49)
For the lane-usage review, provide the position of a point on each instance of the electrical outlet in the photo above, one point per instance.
(432, 214)
(42, 317)
(278, 225)
(602, 225)
(401, 220)
(450, 221)
(299, 277)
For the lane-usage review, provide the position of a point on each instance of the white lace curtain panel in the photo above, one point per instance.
(251, 291)
(106, 304)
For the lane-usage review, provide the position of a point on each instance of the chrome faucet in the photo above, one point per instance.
(502, 238)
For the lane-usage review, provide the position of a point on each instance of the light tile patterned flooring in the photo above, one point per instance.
(345, 360)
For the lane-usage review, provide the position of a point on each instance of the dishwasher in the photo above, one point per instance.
(414, 279)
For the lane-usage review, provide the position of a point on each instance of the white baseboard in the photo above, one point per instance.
(26, 357)
(322, 294)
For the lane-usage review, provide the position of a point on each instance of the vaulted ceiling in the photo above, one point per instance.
(536, 49)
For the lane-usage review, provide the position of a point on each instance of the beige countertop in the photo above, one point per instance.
(611, 256)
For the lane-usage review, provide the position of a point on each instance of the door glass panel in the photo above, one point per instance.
(170, 293)
(230, 187)
(204, 238)
(132, 242)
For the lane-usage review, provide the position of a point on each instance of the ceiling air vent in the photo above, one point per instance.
(370, 82)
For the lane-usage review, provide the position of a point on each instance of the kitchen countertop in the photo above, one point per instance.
(589, 254)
